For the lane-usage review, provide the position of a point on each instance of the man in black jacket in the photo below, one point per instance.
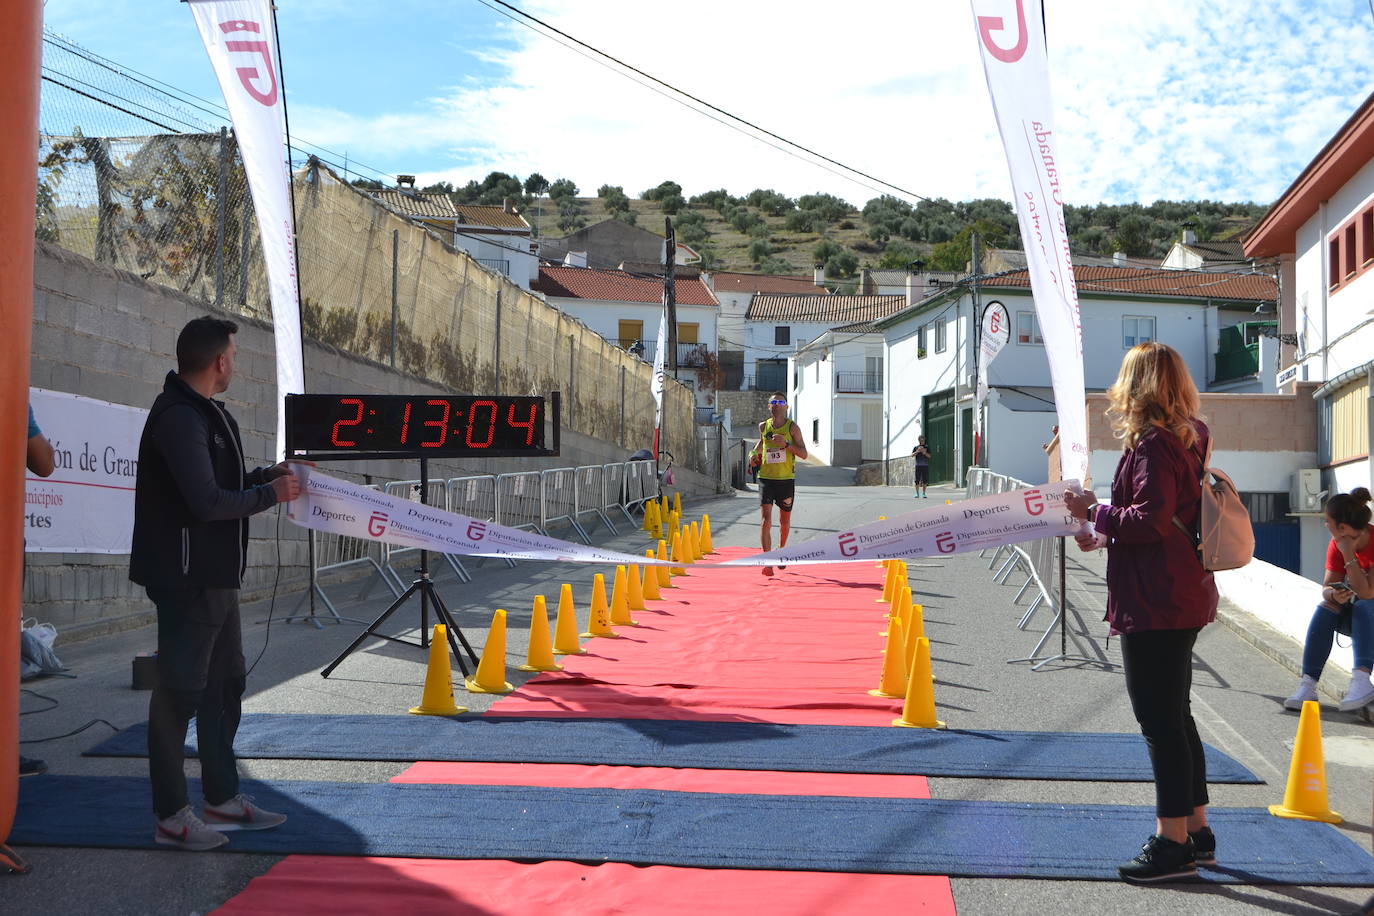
(192, 500)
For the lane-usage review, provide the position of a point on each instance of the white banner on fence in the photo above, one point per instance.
(87, 505)
(240, 37)
(660, 379)
(988, 521)
(339, 507)
(1017, 72)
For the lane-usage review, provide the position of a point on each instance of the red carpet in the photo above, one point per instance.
(802, 647)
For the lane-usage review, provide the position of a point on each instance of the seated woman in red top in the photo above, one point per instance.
(1347, 602)
(1158, 595)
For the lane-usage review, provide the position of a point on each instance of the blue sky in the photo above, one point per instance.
(1179, 99)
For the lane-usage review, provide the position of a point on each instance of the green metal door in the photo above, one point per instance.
(966, 458)
(937, 423)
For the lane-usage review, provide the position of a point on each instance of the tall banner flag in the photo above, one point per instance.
(240, 37)
(1017, 71)
(994, 330)
(660, 377)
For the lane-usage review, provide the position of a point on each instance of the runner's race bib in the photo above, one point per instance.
(776, 456)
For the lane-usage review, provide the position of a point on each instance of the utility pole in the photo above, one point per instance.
(976, 262)
(670, 292)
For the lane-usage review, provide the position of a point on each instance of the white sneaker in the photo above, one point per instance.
(1361, 692)
(239, 813)
(186, 831)
(1307, 690)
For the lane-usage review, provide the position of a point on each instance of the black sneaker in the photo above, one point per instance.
(29, 766)
(1161, 860)
(1204, 846)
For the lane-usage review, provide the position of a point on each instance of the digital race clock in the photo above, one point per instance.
(342, 426)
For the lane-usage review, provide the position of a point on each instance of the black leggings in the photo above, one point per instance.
(1159, 676)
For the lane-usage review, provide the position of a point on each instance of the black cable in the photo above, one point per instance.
(75, 731)
(272, 606)
(36, 694)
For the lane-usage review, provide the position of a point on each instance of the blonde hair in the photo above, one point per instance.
(1153, 389)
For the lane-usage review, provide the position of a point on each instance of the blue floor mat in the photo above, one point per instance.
(706, 745)
(817, 833)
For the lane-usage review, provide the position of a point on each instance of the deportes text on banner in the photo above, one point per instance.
(240, 37)
(989, 521)
(1011, 41)
(339, 507)
(87, 505)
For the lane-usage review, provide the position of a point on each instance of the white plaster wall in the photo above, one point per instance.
(1016, 440)
(1282, 599)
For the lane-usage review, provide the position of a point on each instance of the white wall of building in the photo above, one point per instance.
(520, 264)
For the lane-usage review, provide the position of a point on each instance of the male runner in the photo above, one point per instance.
(780, 445)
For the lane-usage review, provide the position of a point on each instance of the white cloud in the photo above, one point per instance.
(1175, 99)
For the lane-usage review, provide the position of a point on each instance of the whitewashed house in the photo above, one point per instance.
(626, 308)
(498, 238)
(931, 347)
(1321, 232)
(735, 292)
(836, 391)
(778, 325)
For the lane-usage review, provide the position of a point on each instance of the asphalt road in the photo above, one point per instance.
(1238, 692)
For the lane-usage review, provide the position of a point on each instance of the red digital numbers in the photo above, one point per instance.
(440, 424)
(334, 434)
(405, 423)
(490, 424)
(526, 425)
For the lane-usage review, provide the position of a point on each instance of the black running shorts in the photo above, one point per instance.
(779, 492)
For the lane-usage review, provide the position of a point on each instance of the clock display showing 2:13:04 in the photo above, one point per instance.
(422, 424)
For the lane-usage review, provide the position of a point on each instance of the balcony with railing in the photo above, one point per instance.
(689, 355)
(858, 383)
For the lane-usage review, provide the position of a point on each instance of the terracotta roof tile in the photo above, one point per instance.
(728, 282)
(433, 205)
(617, 286)
(496, 217)
(823, 309)
(1191, 284)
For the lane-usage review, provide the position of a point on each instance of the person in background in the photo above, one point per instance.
(1159, 596)
(1347, 604)
(920, 456)
(780, 445)
(40, 460)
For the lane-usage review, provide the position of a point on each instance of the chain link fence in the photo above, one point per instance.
(145, 178)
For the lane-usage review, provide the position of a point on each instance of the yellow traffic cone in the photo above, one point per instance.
(676, 555)
(437, 699)
(893, 683)
(491, 670)
(677, 503)
(882, 563)
(600, 617)
(650, 522)
(919, 709)
(912, 638)
(695, 542)
(565, 640)
(540, 654)
(889, 583)
(901, 608)
(664, 573)
(916, 619)
(651, 592)
(634, 595)
(664, 510)
(620, 599)
(1305, 796)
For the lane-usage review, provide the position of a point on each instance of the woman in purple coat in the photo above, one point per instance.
(1158, 595)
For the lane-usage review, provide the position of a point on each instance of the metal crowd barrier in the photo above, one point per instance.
(589, 492)
(519, 502)
(558, 500)
(613, 490)
(435, 495)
